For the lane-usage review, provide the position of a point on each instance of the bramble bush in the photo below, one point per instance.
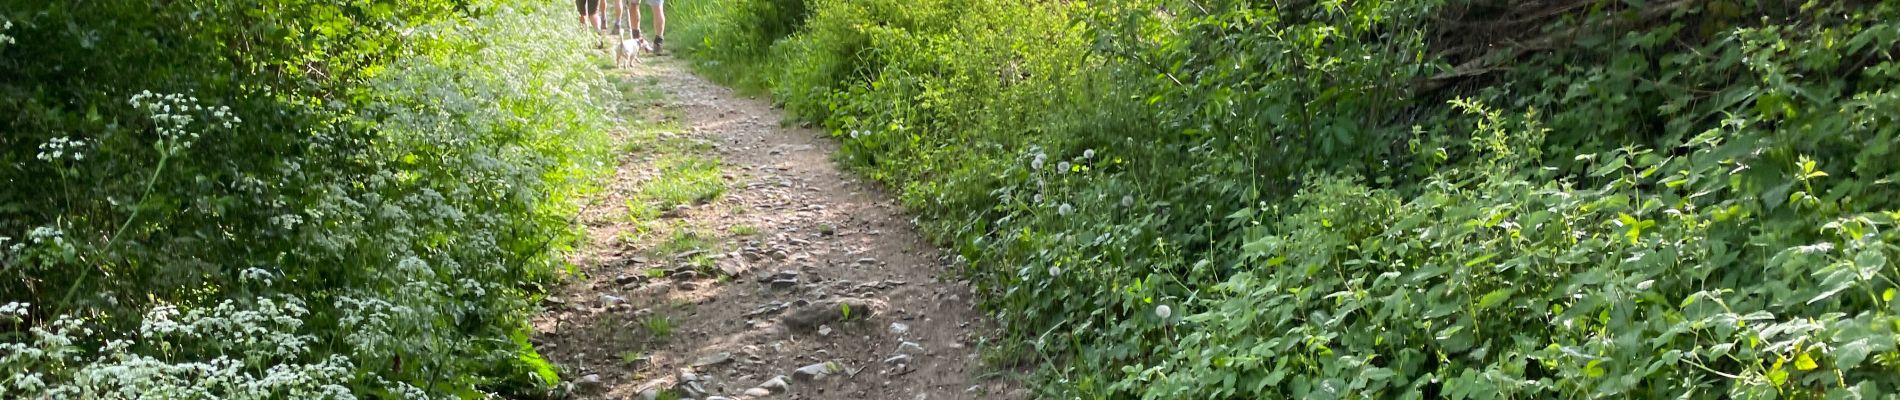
(1168, 199)
(305, 199)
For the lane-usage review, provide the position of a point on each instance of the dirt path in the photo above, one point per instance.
(798, 273)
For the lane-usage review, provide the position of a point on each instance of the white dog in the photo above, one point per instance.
(628, 51)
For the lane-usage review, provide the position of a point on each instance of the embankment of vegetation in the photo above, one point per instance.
(1172, 199)
(287, 199)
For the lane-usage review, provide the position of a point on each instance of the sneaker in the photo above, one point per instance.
(658, 45)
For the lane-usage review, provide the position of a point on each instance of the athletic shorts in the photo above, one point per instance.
(588, 7)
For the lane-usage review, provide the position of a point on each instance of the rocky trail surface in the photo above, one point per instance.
(799, 281)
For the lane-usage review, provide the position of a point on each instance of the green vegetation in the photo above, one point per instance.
(684, 180)
(685, 240)
(658, 327)
(1169, 199)
(312, 199)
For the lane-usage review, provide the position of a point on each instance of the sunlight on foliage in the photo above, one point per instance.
(1168, 199)
(311, 200)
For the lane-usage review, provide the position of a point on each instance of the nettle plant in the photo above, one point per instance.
(1393, 198)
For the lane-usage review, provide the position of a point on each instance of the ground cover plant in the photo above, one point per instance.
(300, 199)
(1171, 199)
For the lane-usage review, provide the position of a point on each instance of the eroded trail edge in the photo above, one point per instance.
(730, 257)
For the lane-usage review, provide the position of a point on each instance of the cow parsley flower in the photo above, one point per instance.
(61, 148)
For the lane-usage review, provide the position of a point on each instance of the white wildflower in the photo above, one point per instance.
(1055, 271)
(1128, 201)
(1163, 311)
(1088, 154)
(14, 311)
(1065, 209)
(61, 148)
(1062, 166)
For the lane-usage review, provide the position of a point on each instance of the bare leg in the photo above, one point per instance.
(620, 15)
(636, 17)
(659, 20)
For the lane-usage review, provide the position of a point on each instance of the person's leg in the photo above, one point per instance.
(636, 17)
(659, 19)
(595, 15)
(580, 11)
(621, 25)
(659, 23)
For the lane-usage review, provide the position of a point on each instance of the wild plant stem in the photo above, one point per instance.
(114, 239)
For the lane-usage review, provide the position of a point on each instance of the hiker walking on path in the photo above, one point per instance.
(658, 7)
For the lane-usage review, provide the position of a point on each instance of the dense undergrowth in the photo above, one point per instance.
(299, 199)
(1173, 199)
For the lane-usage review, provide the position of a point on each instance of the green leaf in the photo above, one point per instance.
(1593, 369)
(1804, 362)
(1851, 354)
(1493, 298)
(1870, 259)
(1615, 164)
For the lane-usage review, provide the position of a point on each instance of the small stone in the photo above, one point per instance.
(899, 328)
(784, 283)
(758, 392)
(590, 384)
(628, 279)
(650, 394)
(686, 275)
(899, 359)
(609, 300)
(718, 398)
(688, 285)
(822, 312)
(909, 348)
(824, 330)
(816, 371)
(776, 385)
(867, 261)
(713, 359)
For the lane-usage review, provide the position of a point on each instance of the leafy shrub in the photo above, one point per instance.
(316, 199)
(1466, 199)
